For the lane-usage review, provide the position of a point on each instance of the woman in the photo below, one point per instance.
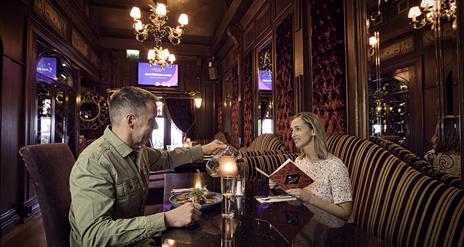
(445, 156)
(331, 189)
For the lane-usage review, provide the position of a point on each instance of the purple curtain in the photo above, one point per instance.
(181, 112)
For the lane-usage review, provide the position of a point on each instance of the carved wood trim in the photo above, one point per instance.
(356, 67)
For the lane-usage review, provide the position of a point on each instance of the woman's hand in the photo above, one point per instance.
(272, 184)
(302, 195)
(341, 210)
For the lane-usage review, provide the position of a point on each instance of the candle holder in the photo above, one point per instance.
(228, 231)
(228, 172)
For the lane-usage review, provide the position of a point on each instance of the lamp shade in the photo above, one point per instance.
(135, 13)
(427, 3)
(183, 19)
(161, 9)
(197, 101)
(227, 166)
(414, 12)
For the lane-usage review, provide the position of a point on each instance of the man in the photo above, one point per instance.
(109, 181)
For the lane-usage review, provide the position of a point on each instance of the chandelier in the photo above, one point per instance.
(158, 29)
(431, 12)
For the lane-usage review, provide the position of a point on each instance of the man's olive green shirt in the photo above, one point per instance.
(109, 189)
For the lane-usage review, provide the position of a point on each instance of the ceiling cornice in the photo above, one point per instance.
(183, 49)
(219, 33)
(251, 12)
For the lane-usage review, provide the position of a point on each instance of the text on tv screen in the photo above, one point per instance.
(46, 67)
(264, 80)
(154, 75)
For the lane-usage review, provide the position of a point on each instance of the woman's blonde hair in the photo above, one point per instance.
(313, 121)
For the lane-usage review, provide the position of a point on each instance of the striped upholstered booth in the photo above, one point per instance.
(267, 163)
(397, 202)
(266, 142)
(262, 152)
(417, 162)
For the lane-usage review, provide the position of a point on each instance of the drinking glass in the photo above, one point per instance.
(227, 189)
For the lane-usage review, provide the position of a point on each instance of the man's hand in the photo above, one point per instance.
(184, 215)
(213, 147)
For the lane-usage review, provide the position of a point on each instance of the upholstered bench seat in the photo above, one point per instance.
(417, 162)
(396, 202)
(267, 163)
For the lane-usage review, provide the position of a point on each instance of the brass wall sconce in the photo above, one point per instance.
(431, 12)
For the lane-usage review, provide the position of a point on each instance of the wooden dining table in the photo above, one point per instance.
(258, 224)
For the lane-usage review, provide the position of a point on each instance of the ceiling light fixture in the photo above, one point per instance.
(158, 29)
(431, 12)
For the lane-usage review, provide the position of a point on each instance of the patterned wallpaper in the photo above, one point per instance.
(247, 100)
(284, 103)
(329, 100)
(235, 109)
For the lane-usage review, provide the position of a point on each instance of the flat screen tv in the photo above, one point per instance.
(46, 69)
(264, 80)
(154, 75)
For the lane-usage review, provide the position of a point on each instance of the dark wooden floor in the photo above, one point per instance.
(30, 233)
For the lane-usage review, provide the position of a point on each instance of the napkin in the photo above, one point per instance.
(271, 199)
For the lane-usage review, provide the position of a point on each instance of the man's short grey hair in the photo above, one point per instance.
(133, 99)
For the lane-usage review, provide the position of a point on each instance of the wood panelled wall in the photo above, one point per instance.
(23, 25)
(64, 26)
(12, 30)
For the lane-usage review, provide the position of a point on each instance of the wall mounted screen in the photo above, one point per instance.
(154, 75)
(46, 69)
(264, 80)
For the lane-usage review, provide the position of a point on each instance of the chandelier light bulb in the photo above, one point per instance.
(161, 9)
(135, 13)
(183, 19)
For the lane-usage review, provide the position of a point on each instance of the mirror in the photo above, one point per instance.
(413, 79)
(264, 87)
(55, 94)
(93, 112)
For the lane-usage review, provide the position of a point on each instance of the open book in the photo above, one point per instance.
(288, 176)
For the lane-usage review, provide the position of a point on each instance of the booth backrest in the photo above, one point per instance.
(221, 137)
(262, 152)
(266, 142)
(267, 163)
(395, 201)
(417, 162)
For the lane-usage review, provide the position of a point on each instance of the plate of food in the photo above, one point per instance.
(205, 198)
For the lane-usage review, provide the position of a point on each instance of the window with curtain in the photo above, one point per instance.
(165, 127)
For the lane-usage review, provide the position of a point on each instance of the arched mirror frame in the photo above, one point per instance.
(262, 44)
(63, 103)
(356, 40)
(39, 37)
